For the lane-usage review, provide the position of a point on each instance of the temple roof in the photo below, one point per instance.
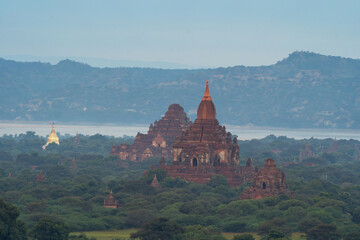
(206, 109)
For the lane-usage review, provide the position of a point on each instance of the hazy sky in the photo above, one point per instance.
(196, 33)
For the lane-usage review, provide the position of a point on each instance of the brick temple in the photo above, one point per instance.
(206, 149)
(159, 139)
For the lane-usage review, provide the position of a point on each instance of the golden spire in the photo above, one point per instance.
(53, 138)
(53, 127)
(207, 92)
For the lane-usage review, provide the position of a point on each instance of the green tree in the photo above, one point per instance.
(159, 228)
(352, 236)
(234, 226)
(198, 232)
(244, 236)
(274, 224)
(10, 227)
(308, 223)
(49, 229)
(356, 215)
(275, 234)
(323, 232)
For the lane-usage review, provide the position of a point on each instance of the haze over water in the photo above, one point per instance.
(243, 132)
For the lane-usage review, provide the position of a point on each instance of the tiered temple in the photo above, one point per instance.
(53, 138)
(159, 139)
(206, 149)
(269, 181)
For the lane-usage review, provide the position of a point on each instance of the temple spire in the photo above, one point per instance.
(206, 109)
(207, 92)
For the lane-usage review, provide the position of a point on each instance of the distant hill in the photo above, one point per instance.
(304, 90)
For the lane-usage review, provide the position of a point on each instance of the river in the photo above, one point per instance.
(243, 132)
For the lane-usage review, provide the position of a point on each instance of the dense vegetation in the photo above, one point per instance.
(327, 190)
(304, 90)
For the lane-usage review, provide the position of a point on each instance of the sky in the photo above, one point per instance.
(177, 34)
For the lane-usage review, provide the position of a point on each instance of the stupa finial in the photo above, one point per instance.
(207, 92)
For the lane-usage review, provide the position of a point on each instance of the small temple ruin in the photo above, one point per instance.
(40, 177)
(53, 138)
(159, 139)
(110, 202)
(268, 181)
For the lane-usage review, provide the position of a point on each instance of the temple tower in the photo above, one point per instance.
(53, 138)
(205, 142)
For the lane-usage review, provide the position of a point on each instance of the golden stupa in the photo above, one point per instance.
(53, 138)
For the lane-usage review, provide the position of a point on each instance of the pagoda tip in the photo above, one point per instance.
(207, 92)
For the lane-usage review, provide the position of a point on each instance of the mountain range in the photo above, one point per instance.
(304, 90)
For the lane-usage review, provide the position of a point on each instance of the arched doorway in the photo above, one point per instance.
(194, 162)
(264, 185)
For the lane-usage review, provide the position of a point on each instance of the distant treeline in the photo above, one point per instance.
(327, 187)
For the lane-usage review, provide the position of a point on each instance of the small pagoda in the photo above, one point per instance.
(110, 202)
(268, 181)
(155, 182)
(53, 138)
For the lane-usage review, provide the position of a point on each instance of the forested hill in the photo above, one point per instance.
(303, 90)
